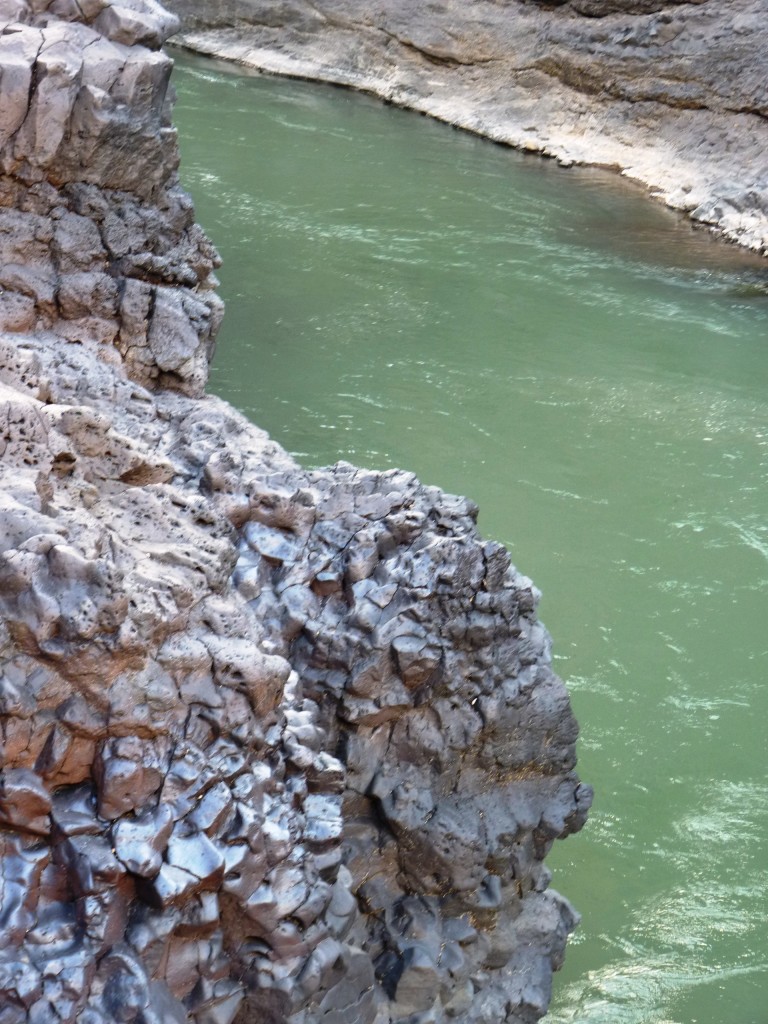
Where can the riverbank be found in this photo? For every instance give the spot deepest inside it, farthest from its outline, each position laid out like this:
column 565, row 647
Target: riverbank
column 673, row 98
column 278, row 743
column 593, row 371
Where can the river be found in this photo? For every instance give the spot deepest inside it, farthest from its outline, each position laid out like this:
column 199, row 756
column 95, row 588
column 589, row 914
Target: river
column 594, row 373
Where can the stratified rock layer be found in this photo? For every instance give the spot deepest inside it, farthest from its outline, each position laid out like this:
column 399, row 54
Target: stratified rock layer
column 672, row 94
column 96, row 237
column 277, row 745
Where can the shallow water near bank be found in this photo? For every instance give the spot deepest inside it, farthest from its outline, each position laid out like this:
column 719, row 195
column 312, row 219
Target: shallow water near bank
column 594, row 373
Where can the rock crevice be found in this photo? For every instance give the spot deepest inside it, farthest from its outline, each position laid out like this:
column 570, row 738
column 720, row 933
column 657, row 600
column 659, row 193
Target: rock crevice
column 277, row 744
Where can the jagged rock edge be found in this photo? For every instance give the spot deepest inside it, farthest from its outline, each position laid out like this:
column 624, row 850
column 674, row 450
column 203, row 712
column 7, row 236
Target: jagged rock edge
column 277, row 744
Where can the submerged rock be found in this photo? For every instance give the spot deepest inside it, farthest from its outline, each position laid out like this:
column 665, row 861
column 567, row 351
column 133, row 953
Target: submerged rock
column 671, row 94
column 277, row 744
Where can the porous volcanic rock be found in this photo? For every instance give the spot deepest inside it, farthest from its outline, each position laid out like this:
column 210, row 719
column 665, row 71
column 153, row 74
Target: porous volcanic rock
column 278, row 745
column 671, row 94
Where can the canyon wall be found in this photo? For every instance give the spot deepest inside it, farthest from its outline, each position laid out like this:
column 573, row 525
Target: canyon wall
column 670, row 94
column 278, row 745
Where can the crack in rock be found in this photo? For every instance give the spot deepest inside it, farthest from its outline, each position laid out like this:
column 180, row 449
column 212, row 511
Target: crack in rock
column 277, row 744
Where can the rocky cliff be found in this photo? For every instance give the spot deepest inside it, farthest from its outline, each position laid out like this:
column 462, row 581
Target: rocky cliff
column 277, row 745
column 671, row 94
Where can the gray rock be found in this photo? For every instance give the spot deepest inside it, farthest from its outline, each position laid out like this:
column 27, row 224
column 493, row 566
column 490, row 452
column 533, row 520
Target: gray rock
column 277, row 744
column 139, row 843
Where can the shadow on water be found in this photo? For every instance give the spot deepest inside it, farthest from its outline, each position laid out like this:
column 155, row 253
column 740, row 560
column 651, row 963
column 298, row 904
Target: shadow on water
column 623, row 220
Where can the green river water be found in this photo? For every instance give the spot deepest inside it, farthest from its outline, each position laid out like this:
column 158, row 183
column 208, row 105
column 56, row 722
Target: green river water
column 594, row 373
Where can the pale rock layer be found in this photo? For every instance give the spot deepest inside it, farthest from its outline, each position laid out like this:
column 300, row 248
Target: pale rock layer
column 278, row 745
column 674, row 95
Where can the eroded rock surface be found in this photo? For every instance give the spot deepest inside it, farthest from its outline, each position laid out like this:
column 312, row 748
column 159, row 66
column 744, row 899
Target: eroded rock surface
column 672, row 94
column 277, row 744
column 96, row 237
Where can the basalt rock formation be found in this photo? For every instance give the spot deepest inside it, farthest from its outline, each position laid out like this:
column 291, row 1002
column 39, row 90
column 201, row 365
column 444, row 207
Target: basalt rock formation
column 278, row 745
column 671, row 94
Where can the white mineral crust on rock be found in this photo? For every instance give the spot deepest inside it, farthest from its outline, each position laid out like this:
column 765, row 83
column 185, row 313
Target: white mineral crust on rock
column 277, row 744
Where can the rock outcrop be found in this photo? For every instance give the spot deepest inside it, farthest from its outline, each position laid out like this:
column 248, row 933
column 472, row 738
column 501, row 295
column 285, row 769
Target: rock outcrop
column 671, row 94
column 277, row 744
